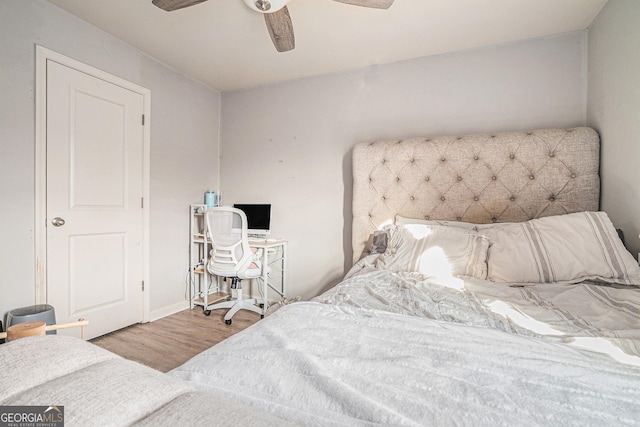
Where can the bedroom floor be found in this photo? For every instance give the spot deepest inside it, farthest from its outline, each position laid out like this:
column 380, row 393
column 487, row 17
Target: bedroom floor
column 172, row 340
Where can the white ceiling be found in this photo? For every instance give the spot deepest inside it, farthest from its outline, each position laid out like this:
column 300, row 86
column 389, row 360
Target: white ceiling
column 225, row 45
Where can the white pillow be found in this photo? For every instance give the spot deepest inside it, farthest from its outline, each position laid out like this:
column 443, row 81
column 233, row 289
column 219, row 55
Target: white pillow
column 435, row 251
column 402, row 220
column 564, row 248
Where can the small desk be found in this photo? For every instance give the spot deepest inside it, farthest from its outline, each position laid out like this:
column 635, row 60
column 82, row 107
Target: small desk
column 271, row 247
column 204, row 290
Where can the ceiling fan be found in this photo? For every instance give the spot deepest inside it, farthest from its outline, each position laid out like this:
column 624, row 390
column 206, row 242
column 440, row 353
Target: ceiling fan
column 276, row 15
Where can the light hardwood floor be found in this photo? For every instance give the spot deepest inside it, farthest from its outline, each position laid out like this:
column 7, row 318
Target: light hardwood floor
column 172, row 340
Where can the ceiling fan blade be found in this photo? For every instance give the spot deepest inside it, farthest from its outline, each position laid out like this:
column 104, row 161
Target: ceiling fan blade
column 170, row 5
column 281, row 29
column 378, row 4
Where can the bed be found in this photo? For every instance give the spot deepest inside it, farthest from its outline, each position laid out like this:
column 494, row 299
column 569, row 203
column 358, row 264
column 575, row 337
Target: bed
column 487, row 289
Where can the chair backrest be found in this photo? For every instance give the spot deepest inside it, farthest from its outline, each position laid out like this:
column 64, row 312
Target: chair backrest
column 230, row 254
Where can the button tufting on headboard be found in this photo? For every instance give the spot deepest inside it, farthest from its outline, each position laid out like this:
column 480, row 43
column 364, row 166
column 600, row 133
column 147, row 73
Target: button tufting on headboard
column 522, row 175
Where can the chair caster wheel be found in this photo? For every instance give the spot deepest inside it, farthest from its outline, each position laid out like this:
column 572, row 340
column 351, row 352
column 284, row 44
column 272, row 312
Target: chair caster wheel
column 261, row 305
column 262, row 316
column 228, row 322
column 207, row 312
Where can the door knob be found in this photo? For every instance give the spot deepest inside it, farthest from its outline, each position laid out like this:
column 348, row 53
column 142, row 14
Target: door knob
column 57, row 222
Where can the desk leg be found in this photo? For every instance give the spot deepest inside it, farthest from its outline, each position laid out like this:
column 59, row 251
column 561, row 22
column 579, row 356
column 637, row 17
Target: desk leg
column 284, row 269
column 265, row 278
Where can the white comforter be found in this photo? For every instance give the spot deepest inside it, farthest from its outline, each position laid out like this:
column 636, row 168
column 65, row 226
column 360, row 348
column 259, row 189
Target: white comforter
column 324, row 364
column 590, row 315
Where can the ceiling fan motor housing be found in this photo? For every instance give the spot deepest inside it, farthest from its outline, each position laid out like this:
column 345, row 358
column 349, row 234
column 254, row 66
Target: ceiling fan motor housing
column 263, row 5
column 266, row 6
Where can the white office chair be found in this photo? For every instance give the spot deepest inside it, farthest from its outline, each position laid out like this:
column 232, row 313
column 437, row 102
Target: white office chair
column 231, row 257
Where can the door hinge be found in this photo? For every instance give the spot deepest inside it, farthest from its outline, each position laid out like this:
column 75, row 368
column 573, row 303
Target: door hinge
column 141, row 202
column 143, row 286
column 143, row 120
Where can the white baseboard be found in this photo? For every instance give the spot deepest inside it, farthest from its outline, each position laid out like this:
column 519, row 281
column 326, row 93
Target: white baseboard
column 168, row 310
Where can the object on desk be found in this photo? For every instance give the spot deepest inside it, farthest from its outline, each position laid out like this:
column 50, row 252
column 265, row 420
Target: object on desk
column 27, row 329
column 258, row 219
column 212, row 199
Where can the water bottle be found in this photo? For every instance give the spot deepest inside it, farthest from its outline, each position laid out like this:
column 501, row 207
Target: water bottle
column 212, row 199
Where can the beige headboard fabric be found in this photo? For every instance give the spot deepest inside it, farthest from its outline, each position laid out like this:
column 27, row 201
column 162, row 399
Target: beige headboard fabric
column 502, row 177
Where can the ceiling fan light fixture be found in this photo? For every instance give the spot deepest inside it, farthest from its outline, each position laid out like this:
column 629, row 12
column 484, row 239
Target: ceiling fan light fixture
column 266, row 6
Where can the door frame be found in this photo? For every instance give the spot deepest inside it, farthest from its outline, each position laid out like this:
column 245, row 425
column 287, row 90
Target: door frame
column 40, row 227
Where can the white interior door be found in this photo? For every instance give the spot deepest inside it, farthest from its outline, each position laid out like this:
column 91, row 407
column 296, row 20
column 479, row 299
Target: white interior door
column 94, row 190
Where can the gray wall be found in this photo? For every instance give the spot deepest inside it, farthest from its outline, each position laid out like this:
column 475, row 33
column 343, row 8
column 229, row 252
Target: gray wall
column 290, row 143
column 184, row 145
column 614, row 111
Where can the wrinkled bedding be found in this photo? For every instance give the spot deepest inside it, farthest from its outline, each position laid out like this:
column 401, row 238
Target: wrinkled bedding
column 324, row 364
column 590, row 315
column 410, row 294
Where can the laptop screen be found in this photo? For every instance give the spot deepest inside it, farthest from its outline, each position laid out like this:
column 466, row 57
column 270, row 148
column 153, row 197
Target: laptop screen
column 258, row 217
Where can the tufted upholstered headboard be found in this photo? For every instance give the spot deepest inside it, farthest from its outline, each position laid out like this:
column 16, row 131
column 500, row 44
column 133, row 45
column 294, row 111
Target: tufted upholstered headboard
column 502, row 177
